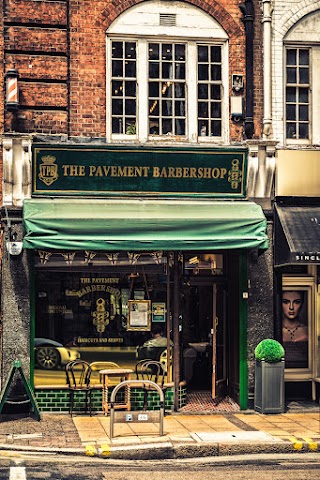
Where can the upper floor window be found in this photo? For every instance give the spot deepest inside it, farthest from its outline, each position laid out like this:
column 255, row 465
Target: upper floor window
column 298, row 93
column 164, row 103
column 162, row 80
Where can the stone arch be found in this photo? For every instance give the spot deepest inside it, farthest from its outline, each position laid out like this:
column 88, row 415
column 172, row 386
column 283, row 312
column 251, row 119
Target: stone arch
column 295, row 14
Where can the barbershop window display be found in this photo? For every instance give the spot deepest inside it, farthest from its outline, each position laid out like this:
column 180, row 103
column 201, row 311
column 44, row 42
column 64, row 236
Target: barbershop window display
column 295, row 328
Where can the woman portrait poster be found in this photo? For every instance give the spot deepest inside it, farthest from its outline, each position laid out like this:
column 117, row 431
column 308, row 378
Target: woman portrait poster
column 295, row 328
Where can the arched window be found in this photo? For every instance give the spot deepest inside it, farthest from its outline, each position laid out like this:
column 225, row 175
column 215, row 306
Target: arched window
column 167, row 73
column 302, row 87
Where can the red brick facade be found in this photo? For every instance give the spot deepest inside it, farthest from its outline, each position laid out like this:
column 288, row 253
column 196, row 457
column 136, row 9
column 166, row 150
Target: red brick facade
column 60, row 55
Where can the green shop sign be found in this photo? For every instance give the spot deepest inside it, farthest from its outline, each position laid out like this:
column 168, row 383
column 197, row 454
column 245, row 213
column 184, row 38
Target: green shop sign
column 75, row 170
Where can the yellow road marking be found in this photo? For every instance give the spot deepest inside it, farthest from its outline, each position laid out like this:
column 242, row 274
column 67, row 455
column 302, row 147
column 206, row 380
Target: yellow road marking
column 312, row 445
column 297, row 444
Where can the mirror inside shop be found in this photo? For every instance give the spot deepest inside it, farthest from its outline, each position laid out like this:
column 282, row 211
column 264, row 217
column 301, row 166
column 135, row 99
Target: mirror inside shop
column 104, row 310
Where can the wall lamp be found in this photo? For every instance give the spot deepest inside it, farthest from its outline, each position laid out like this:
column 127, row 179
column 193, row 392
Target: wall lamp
column 12, row 92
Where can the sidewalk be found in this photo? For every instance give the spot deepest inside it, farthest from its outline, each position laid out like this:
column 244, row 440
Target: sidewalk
column 184, row 436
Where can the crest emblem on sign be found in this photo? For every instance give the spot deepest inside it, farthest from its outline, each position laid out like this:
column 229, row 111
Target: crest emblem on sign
column 48, row 170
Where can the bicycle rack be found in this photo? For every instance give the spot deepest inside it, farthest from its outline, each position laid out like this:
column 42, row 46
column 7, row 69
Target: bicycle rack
column 136, row 416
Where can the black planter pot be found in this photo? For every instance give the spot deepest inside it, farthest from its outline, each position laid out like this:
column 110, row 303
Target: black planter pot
column 269, row 387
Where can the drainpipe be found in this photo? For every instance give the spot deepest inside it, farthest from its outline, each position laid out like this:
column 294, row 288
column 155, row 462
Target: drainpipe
column 247, row 10
column 266, row 21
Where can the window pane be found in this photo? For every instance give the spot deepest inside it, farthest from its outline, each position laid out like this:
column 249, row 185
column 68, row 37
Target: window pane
column 291, row 94
column 154, row 128
column 203, row 90
column 216, row 54
column 153, row 70
column 303, row 95
column 180, row 54
column 166, row 127
column 166, row 51
column 203, row 109
column 304, row 57
column 130, row 89
column 179, row 90
column 116, row 125
column 303, row 130
column 180, row 126
column 117, row 107
column 130, row 107
column 303, row 113
column 117, row 88
column 154, row 51
column 130, row 69
column 180, row 71
column 291, row 112
column 215, row 72
column 154, row 89
column 179, row 109
column 117, row 68
column 304, row 75
column 291, row 75
column 203, row 128
column 291, row 130
column 130, row 50
column 216, row 110
column 203, row 53
column 203, row 72
column 167, row 71
column 167, row 108
column 216, row 128
column 292, row 57
column 167, row 90
column 117, row 49
column 215, row 92
column 154, row 108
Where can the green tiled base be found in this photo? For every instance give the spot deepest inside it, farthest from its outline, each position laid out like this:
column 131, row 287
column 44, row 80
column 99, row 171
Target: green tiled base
column 57, row 400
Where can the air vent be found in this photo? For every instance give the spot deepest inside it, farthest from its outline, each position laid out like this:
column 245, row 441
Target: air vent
column 168, row 19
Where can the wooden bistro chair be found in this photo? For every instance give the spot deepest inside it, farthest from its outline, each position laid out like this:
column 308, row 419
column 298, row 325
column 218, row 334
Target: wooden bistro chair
column 97, row 366
column 150, row 370
column 78, row 374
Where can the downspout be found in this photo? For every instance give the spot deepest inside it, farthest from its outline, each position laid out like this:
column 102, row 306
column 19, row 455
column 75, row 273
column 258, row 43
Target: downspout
column 247, row 10
column 266, row 21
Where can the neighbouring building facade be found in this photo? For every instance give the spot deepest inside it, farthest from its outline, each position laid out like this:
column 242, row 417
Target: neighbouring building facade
column 137, row 179
column 295, row 51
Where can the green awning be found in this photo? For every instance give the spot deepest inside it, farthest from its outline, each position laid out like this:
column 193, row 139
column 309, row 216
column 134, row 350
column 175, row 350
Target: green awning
column 143, row 225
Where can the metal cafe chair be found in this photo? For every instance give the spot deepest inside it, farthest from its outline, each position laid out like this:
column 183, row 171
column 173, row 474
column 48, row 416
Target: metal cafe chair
column 78, row 375
column 150, row 370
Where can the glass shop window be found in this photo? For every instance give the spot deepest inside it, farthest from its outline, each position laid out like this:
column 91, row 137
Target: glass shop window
column 94, row 316
column 296, row 326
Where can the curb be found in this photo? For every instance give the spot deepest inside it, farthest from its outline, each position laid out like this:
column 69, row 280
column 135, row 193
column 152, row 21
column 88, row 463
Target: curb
column 169, row 450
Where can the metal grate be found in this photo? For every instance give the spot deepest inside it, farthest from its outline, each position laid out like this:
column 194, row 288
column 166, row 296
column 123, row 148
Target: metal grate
column 168, row 19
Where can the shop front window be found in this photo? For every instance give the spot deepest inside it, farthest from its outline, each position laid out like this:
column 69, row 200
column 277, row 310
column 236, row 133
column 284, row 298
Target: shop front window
column 295, row 327
column 101, row 314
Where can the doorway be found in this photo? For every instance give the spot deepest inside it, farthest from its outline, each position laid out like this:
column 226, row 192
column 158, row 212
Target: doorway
column 205, row 359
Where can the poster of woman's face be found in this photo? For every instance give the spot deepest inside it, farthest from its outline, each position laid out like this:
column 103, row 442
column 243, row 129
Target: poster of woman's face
column 295, row 328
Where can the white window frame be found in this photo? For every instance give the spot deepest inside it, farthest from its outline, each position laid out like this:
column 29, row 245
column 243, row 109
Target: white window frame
column 142, row 135
column 299, row 141
column 306, row 284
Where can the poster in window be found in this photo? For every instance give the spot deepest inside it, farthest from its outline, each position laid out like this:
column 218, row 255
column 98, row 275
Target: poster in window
column 158, row 312
column 139, row 315
column 295, row 332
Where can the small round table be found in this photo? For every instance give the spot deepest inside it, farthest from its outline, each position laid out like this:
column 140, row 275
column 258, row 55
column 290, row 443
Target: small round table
column 123, row 374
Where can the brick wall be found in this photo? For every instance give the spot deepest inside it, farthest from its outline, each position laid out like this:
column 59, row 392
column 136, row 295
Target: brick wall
column 57, row 399
column 61, row 59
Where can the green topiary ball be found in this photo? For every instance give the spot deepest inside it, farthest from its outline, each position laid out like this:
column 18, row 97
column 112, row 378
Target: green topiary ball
column 269, row 350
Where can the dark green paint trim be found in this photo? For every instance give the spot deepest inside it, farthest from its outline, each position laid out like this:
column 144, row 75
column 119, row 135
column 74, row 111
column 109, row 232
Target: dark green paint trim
column 243, row 325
